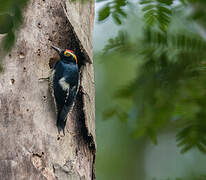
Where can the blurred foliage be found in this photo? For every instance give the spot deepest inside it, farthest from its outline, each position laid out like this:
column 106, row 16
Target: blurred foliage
column 170, row 86
column 10, row 20
column 201, row 177
column 157, row 12
column 6, row 23
column 113, row 8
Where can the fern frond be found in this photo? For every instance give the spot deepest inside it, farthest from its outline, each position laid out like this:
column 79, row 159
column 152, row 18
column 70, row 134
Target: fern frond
column 121, row 44
column 193, row 136
column 157, row 12
column 115, row 9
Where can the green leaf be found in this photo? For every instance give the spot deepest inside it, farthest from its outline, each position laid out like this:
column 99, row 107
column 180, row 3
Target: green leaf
column 120, row 3
column 149, row 7
column 109, row 113
column 186, row 148
column 104, row 13
column 8, row 41
column 201, row 148
column 6, row 23
column 122, row 116
column 167, row 2
column 17, row 16
column 150, row 17
column 146, row 1
column 163, row 9
column 5, row 5
column 157, row 12
column 120, row 11
column 153, row 136
column 184, row 2
column 116, row 18
column 140, row 132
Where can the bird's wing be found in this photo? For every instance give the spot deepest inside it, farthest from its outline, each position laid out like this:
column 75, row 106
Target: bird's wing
column 59, row 88
column 62, row 97
column 69, row 101
column 61, row 92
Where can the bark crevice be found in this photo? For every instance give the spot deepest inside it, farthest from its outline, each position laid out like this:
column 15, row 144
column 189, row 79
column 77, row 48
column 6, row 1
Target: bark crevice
column 83, row 61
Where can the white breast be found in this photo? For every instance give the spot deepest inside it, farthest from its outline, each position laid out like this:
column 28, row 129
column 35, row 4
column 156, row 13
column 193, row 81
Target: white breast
column 64, row 84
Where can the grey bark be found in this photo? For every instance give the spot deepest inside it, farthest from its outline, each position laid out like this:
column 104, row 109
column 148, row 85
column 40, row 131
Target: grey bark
column 29, row 141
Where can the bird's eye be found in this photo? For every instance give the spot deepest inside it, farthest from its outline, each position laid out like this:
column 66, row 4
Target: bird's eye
column 66, row 53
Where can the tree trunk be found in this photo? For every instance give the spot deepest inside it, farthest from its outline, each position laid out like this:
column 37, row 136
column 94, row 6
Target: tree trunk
column 30, row 145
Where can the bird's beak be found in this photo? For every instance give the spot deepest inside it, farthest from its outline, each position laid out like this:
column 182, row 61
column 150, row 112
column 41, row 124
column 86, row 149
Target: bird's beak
column 57, row 49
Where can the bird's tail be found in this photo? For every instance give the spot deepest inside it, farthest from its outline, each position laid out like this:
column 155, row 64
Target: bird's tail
column 62, row 115
column 61, row 123
column 62, row 118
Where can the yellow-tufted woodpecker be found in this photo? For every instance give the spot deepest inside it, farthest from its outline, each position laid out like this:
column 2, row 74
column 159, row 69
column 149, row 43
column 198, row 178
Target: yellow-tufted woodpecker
column 64, row 84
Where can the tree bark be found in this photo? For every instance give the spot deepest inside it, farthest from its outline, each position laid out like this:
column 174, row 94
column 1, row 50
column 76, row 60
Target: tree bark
column 30, row 145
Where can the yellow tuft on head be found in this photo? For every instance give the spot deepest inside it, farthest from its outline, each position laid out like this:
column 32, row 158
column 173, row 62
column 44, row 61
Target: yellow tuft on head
column 75, row 58
column 67, row 53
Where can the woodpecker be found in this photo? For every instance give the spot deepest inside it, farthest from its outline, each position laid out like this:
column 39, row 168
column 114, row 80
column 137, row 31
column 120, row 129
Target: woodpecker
column 64, row 82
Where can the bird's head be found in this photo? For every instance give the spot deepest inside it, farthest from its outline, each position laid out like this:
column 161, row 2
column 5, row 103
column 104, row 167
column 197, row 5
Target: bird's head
column 66, row 55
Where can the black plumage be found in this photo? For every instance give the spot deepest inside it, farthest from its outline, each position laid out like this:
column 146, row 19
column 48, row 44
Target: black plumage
column 64, row 85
